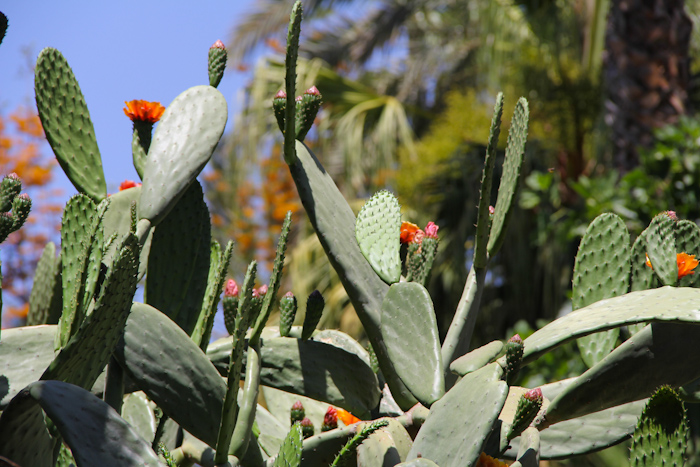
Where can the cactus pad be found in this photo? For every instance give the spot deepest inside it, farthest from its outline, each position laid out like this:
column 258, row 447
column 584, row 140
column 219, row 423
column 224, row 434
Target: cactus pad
column 688, row 241
column 66, row 121
column 408, row 323
column 290, row 451
column 601, row 270
column 377, row 231
column 183, row 143
column 483, row 223
column 662, row 435
column 508, row 187
column 460, row 422
column 661, row 248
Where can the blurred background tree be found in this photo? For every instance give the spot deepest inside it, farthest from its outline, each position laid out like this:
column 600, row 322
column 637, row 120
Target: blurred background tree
column 22, row 144
column 408, row 88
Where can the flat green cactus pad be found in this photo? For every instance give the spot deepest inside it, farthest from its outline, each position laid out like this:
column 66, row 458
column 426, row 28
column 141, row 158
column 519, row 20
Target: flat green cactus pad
column 24, row 355
column 172, row 370
column 45, row 301
column 661, row 248
column 477, row 358
column 85, row 355
column 95, row 433
column 377, row 230
column 602, row 270
column 321, row 371
column 290, row 451
column 66, row 121
column 387, row 446
column 138, row 412
column 334, row 222
column 662, row 353
column 688, row 241
column 408, row 323
column 662, row 435
column 460, row 422
column 182, row 144
column 669, row 304
column 178, row 263
column 582, row 435
column 508, row 187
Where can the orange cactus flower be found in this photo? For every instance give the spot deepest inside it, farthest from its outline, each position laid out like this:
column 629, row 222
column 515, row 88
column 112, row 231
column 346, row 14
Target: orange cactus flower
column 126, row 184
column 346, row 417
column 488, row 461
column 409, row 231
column 143, row 111
column 686, row 263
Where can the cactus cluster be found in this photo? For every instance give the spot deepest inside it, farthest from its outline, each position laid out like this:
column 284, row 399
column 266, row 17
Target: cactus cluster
column 98, row 378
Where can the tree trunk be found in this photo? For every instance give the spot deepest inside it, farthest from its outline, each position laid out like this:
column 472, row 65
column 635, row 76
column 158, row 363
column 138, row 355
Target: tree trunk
column 646, row 72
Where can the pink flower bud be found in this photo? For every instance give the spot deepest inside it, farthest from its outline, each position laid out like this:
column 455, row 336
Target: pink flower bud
column 289, row 294
column 492, row 210
column 218, row 45
column 431, row 230
column 330, row 419
column 313, row 90
column 231, row 289
column 516, row 338
column 534, row 395
column 262, row 290
column 672, row 215
column 281, row 94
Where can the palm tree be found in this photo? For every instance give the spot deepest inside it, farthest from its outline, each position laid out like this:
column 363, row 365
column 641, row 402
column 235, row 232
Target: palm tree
column 647, row 68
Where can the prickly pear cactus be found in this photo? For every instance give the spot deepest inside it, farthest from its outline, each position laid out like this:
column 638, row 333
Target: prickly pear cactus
column 378, row 230
column 66, row 121
column 661, row 437
column 601, row 270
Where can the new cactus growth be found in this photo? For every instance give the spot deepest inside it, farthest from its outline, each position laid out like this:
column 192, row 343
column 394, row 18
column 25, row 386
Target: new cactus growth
column 307, row 427
column 230, row 305
column 528, row 406
column 217, row 63
column 314, row 311
column 288, row 310
column 297, row 413
column 514, row 358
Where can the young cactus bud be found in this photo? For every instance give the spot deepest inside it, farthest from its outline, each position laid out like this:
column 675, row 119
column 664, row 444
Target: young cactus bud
column 514, row 357
column 21, row 206
column 314, row 310
column 307, row 428
column 9, row 188
column 330, row 419
column 528, row 406
column 279, row 104
column 7, row 221
column 307, row 107
column 288, row 310
column 217, row 63
column 298, row 413
column 257, row 301
column 230, row 303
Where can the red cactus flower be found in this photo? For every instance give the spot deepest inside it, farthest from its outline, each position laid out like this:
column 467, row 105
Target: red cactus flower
column 330, row 419
column 143, row 111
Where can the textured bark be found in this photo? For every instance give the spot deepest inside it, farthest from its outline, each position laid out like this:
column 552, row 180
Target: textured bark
column 646, row 71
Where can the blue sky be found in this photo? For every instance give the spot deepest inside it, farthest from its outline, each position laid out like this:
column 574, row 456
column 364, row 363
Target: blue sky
column 119, row 51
